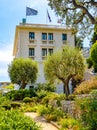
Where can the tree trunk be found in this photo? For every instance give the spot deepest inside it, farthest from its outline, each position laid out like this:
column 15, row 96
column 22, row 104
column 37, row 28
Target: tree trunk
column 23, row 85
column 66, row 89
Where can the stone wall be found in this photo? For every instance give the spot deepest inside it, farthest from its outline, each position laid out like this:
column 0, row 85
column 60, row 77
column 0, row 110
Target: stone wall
column 70, row 107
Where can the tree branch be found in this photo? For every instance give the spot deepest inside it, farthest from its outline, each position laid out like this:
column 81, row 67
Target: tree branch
column 85, row 10
column 93, row 2
column 80, row 19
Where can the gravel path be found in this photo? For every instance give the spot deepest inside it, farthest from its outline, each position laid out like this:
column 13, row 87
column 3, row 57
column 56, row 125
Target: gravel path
column 41, row 120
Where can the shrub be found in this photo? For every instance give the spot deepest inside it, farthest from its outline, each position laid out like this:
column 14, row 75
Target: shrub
column 50, row 97
column 51, row 117
column 27, row 99
column 62, row 96
column 15, row 104
column 88, row 109
column 41, row 94
column 10, row 86
column 20, row 94
column 5, row 103
column 46, row 86
column 89, row 62
column 14, row 120
column 51, row 114
column 28, row 107
column 35, row 99
column 43, row 110
column 70, row 124
column 86, row 86
column 4, row 99
column 6, row 106
column 71, row 97
column 58, row 113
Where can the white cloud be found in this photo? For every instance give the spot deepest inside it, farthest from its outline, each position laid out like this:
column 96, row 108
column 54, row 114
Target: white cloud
column 3, row 72
column 5, row 56
column 37, row 3
column 5, row 59
column 6, row 53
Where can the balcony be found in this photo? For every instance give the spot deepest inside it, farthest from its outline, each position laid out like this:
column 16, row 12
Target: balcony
column 44, row 41
column 50, row 41
column 32, row 41
column 64, row 42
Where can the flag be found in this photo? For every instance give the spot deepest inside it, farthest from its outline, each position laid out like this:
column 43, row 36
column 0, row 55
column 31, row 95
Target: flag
column 49, row 16
column 30, row 11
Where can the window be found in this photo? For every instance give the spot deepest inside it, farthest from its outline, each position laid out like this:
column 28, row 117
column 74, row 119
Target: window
column 50, row 36
column 31, row 35
column 31, row 52
column 50, row 51
column 64, row 37
column 44, row 51
column 44, row 36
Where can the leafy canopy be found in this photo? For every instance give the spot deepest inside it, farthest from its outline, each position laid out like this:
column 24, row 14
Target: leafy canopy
column 63, row 65
column 81, row 14
column 23, row 71
column 93, row 55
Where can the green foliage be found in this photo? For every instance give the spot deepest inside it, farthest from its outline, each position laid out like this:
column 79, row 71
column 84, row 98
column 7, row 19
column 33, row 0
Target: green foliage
column 71, row 97
column 15, row 104
column 51, row 117
column 58, row 113
column 27, row 100
column 94, row 94
column 43, row 110
column 88, row 108
column 28, row 107
column 22, row 71
column 20, row 94
column 62, row 96
column 51, row 113
column 50, row 97
column 10, row 86
column 70, row 123
column 41, row 94
column 14, row 120
column 86, row 86
column 6, row 106
column 46, row 86
column 94, row 36
column 77, row 14
column 63, row 65
column 78, row 42
column 93, row 56
column 5, row 103
column 3, row 99
column 89, row 62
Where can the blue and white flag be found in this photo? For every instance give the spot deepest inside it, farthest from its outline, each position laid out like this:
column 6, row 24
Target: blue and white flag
column 49, row 16
column 30, row 11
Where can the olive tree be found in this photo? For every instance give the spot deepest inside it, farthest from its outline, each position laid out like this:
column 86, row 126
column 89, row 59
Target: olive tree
column 23, row 71
column 63, row 65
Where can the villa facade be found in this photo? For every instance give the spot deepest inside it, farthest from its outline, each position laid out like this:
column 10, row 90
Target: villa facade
column 36, row 41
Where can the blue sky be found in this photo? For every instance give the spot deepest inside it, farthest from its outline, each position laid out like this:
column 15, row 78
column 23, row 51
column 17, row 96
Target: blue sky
column 11, row 14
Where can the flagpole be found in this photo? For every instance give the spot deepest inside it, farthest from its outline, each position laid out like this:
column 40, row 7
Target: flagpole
column 26, row 15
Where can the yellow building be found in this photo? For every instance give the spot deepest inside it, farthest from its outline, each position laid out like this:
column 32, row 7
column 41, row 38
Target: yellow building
column 37, row 40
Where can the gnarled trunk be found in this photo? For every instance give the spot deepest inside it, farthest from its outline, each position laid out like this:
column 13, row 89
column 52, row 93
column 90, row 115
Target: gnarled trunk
column 66, row 89
column 23, row 84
